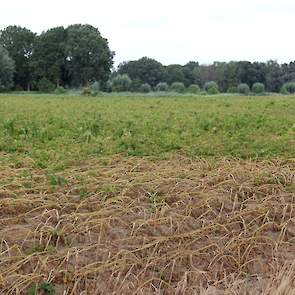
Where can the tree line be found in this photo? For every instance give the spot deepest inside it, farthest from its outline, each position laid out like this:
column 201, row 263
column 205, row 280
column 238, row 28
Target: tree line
column 68, row 57
column 78, row 56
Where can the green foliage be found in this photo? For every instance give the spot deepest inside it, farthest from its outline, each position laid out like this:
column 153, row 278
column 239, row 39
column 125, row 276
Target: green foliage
column 145, row 88
column 193, row 88
column 87, row 91
column 175, row 74
column 258, row 88
column 177, row 87
column 121, row 83
column 42, row 128
column 88, row 55
column 288, row 88
column 45, row 288
column 135, row 85
column 162, row 86
column 60, row 90
column 211, row 87
column 19, row 43
column 45, row 85
column 49, row 56
column 7, row 69
column 95, row 86
column 232, row 89
column 146, row 70
column 243, row 88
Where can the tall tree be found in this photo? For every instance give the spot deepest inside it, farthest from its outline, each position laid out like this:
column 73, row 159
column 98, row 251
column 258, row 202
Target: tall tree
column 175, row 74
column 146, row 70
column 88, row 57
column 7, row 69
column 19, row 43
column 49, row 58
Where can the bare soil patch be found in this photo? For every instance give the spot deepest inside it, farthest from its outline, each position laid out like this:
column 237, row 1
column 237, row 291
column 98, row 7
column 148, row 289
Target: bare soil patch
column 139, row 226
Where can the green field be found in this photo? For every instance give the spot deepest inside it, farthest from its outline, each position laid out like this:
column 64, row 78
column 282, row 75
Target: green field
column 53, row 130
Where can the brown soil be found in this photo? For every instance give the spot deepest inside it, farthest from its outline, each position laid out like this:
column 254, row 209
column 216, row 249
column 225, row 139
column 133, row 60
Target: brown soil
column 139, row 226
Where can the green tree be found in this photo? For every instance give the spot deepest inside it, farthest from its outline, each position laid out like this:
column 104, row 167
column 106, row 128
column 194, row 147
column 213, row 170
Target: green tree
column 258, row 88
column 162, row 86
column 177, row 87
column 288, row 88
column 19, row 43
column 211, row 87
column 146, row 70
column 121, row 83
column 243, row 88
column 145, row 88
column 193, row 88
column 88, row 56
column 7, row 69
column 49, row 58
column 175, row 74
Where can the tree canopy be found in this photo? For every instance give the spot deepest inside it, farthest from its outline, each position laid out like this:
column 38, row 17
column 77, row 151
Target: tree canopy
column 7, row 69
column 19, row 43
column 73, row 56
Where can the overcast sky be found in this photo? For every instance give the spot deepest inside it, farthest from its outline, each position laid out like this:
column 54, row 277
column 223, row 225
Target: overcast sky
column 171, row 31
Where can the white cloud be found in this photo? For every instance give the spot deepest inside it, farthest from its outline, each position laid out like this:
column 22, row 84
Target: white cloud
column 172, row 31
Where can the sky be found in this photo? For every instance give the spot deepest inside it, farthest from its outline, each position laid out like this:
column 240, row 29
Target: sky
column 171, row 31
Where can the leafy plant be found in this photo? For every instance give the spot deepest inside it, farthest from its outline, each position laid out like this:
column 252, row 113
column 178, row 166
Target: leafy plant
column 258, row 88
column 145, row 88
column 211, row 87
column 243, row 88
column 193, row 88
column 46, row 288
column 177, row 87
column 162, row 86
column 45, row 85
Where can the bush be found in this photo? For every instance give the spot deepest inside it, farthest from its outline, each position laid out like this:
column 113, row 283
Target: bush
column 145, row 88
column 193, row 88
column 121, row 83
column 258, row 88
column 162, row 86
column 232, row 89
column 288, row 88
column 86, row 91
column 135, row 85
column 45, row 85
column 95, row 86
column 243, row 88
column 60, row 90
column 211, row 87
column 177, row 87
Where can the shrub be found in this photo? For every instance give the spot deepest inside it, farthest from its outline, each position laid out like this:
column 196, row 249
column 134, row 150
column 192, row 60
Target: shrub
column 258, row 88
column 45, row 85
column 177, row 87
column 86, row 91
column 145, row 88
column 95, row 86
column 288, row 88
column 211, row 87
column 193, row 88
column 60, row 90
column 135, row 85
column 162, row 86
column 243, row 88
column 232, row 89
column 108, row 86
column 121, row 83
